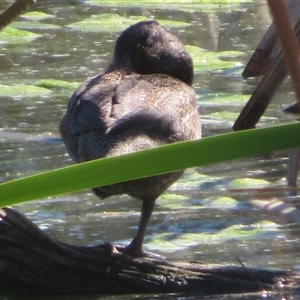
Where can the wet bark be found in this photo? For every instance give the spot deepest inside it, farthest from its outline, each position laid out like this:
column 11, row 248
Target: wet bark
column 33, row 263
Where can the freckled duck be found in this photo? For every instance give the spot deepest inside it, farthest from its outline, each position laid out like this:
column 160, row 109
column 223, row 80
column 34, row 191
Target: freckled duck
column 143, row 100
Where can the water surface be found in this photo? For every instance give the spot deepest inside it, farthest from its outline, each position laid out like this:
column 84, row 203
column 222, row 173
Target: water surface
column 208, row 213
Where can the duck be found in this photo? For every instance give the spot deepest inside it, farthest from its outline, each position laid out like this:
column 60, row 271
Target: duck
column 144, row 99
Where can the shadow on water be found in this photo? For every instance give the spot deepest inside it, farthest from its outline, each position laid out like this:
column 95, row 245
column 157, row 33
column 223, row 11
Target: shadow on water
column 208, row 215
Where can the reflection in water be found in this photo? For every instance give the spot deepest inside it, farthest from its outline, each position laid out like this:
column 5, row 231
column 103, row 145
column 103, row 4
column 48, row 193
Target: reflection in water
column 210, row 218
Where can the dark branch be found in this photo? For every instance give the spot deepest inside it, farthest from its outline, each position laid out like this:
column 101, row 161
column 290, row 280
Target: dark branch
column 14, row 11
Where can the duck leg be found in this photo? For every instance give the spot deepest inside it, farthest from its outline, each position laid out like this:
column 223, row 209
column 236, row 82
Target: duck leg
column 135, row 248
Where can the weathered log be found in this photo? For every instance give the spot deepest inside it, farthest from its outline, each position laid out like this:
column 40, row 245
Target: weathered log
column 31, row 262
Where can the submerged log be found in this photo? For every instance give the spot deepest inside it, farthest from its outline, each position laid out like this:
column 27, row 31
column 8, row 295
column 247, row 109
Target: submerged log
column 31, row 262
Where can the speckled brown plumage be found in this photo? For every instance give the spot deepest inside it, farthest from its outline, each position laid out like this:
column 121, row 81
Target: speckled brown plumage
column 143, row 100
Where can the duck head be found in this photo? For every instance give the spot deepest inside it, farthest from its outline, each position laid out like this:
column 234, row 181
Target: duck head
column 149, row 48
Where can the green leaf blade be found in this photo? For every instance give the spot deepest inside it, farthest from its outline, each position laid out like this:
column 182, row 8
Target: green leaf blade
column 151, row 162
